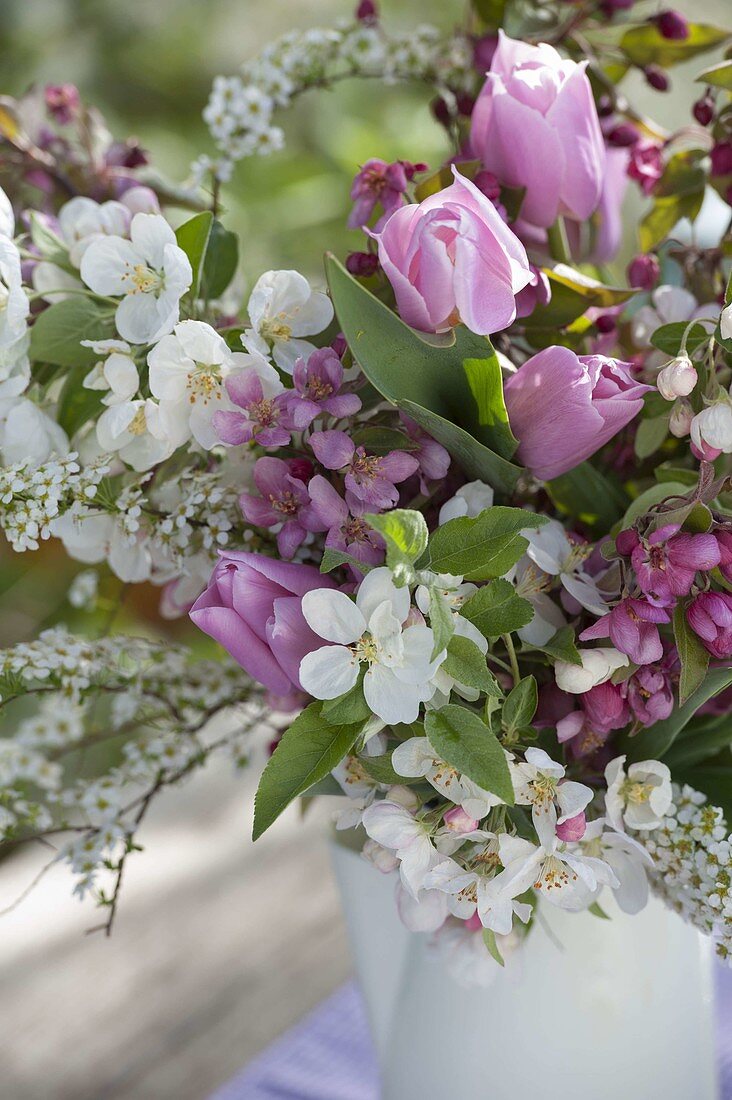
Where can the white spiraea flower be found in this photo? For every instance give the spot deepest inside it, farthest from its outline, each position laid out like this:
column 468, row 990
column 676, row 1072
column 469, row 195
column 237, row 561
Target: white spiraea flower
column 399, row 668
column 188, row 369
column 149, row 272
column 598, row 666
column 638, row 798
column 283, row 308
column 539, row 782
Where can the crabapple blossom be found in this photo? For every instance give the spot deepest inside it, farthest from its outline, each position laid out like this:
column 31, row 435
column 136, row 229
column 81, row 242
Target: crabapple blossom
column 628, row 859
column 416, row 757
column 370, row 480
column 632, row 626
column 554, row 553
column 149, row 272
column 188, row 370
column 395, row 828
column 115, row 373
column 710, row 617
column 474, row 892
column 667, row 561
column 566, row 878
column 638, row 798
column 134, row 429
column 470, row 500
column 711, row 429
column 539, row 782
column 378, row 183
column 399, row 668
column 284, row 500
column 345, row 532
column 265, row 415
column 316, row 382
column 14, row 304
column 598, row 665
column 283, row 308
column 677, row 379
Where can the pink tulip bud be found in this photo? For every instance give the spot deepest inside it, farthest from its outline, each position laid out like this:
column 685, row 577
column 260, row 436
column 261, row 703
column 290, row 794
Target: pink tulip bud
column 677, row 378
column 458, row 821
column 535, row 110
column 681, row 417
column 574, row 828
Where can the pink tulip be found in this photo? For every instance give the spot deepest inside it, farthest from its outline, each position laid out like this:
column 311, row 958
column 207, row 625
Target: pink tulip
column 535, row 125
column 452, row 259
column 563, row 407
column 252, row 608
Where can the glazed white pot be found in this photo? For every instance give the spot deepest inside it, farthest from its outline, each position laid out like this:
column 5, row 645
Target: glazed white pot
column 585, row 1009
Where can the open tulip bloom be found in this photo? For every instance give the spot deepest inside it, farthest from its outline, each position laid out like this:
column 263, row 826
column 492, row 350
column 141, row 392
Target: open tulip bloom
column 452, row 520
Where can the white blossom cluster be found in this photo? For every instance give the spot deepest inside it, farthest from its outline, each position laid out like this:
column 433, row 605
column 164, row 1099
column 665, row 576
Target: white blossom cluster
column 32, row 497
column 91, row 692
column 692, row 854
column 240, row 111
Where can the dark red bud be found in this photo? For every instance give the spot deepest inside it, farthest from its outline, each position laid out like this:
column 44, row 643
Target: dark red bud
column 362, row 263
column 703, row 110
column 301, row 468
column 657, row 78
column 672, row 25
column 643, row 271
column 367, row 12
column 623, row 135
column 605, row 323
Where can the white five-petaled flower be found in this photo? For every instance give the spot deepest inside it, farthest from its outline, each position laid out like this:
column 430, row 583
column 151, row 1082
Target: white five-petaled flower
column 639, row 798
column 149, row 272
column 553, row 552
column 471, row 891
column 598, row 665
column 416, row 757
column 14, row 304
column 393, row 827
column 283, row 308
column 399, row 668
column 469, row 500
column 134, row 430
column 565, row 878
column 188, row 369
column 539, row 782
column 115, row 372
column 627, row 858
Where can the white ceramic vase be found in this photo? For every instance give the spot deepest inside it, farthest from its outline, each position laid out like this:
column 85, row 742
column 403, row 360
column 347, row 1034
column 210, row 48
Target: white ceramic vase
column 586, row 1009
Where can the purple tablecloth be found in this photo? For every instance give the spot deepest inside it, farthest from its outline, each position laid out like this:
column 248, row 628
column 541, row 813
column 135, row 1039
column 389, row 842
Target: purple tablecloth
column 329, row 1055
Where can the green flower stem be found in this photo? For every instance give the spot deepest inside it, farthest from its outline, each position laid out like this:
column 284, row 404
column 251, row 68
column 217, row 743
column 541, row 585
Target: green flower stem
column 557, row 239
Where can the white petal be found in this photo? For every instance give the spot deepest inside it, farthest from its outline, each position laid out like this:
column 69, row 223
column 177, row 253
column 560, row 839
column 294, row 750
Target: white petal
column 333, row 616
column 137, row 318
column 573, row 798
column 149, row 234
column 378, row 586
column 413, row 757
column 328, row 672
column 388, row 697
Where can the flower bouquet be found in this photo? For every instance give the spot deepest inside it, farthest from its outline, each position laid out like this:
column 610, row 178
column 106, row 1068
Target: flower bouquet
column 461, row 517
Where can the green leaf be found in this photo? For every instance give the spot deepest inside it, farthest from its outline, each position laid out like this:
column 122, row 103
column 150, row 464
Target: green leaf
column 462, row 740
column 693, row 656
column 193, row 237
column 654, row 743
column 442, row 621
column 429, row 383
column 220, row 261
column 496, row 609
column 349, row 708
column 645, row 45
column 491, row 12
column 381, row 769
column 307, row 753
column 57, row 332
column 51, row 247
column 380, row 441
column 572, row 295
column 332, row 559
column 466, row 664
column 585, row 494
column 652, row 497
column 719, row 76
column 489, row 939
column 678, row 194
column 481, row 547
column 520, row 706
column 561, row 646
column 650, row 435
column 486, row 385
column 693, row 746
column 668, row 338
column 76, row 404
column 597, row 911
column 677, row 475
column 405, row 533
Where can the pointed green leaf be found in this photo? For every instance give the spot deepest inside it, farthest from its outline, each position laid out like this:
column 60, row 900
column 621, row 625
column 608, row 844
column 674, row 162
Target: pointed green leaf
column 693, row 656
column 496, row 609
column 405, row 533
column 441, row 621
column 561, row 646
column 307, row 753
column 462, row 740
column 193, row 237
column 520, row 706
column 466, row 664
column 481, row 547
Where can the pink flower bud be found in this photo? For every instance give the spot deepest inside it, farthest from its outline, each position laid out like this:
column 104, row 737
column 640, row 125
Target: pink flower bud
column 367, row 12
column 703, row 109
column 672, row 25
column 677, row 378
column 623, row 135
column 362, row 264
column 681, row 417
column 643, row 271
column 574, row 828
column 657, row 78
column 722, row 158
column 458, row 821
